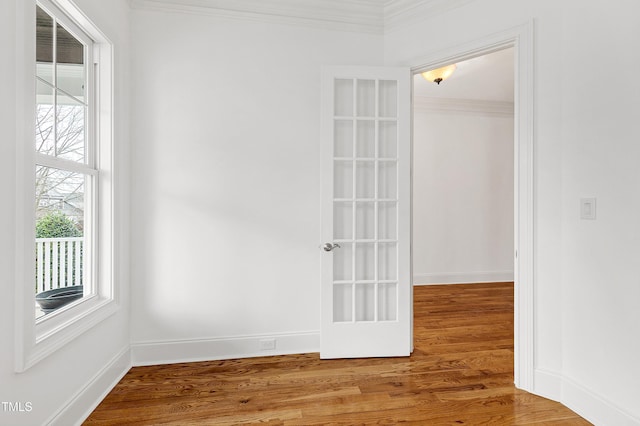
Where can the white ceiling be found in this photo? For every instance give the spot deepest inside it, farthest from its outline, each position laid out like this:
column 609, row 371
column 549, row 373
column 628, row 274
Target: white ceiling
column 488, row 78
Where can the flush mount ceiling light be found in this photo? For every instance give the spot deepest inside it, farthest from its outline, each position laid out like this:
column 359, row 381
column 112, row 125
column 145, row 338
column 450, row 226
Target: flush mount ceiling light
column 439, row 74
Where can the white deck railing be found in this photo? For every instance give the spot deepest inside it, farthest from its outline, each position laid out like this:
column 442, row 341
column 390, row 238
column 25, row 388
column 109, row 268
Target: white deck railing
column 58, row 262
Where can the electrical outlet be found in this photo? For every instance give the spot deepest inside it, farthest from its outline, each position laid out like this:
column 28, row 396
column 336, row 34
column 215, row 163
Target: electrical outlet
column 267, row 344
column 588, row 208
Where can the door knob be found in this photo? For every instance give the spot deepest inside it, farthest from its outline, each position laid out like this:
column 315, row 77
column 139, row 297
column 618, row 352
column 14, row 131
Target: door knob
column 330, row 246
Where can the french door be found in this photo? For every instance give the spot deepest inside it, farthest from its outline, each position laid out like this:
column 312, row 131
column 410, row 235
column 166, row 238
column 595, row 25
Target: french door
column 366, row 263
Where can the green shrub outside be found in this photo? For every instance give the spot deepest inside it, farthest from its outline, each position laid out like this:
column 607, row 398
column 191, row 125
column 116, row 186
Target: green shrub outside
column 56, row 225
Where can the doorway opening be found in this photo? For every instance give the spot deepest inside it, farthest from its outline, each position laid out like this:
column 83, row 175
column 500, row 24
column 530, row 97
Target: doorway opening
column 464, row 174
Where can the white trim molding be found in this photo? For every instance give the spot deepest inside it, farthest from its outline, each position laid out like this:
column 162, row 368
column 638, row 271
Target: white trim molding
column 85, row 400
column 364, row 16
column 581, row 400
column 521, row 38
column 463, row 106
column 194, row 350
column 593, row 407
column 400, row 13
column 462, row 277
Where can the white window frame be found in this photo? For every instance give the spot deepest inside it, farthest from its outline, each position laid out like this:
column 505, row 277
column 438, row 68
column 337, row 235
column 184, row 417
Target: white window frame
column 35, row 340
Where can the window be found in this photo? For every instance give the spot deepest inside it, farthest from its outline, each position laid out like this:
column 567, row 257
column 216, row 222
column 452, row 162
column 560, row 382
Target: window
column 66, row 169
column 66, row 257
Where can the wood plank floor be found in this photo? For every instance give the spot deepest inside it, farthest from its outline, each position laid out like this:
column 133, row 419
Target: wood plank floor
column 461, row 373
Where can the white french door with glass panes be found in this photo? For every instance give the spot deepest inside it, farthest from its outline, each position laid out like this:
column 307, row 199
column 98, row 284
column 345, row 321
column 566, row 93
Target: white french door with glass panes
column 366, row 284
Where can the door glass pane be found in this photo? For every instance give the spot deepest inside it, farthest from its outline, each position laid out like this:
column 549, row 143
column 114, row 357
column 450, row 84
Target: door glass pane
column 366, row 98
column 365, row 261
column 366, row 139
column 342, row 302
column 343, row 138
column 365, row 179
column 69, row 128
column 387, row 261
column 343, row 179
column 60, row 238
column 342, row 220
column 388, row 139
column 342, row 262
column 387, row 301
column 343, row 98
column 387, row 214
column 70, row 76
column 387, row 180
column 365, row 220
column 388, row 98
column 45, row 119
column 44, row 45
column 365, row 302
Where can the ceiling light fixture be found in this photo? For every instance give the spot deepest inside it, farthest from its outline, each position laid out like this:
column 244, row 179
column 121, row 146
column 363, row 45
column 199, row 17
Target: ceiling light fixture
column 439, row 74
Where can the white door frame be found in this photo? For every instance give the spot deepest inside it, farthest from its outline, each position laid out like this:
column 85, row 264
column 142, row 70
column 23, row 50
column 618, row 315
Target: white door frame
column 521, row 39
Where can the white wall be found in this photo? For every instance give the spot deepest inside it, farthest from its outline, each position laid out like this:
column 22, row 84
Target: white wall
column 462, row 195
column 600, row 151
column 586, row 283
column 226, row 182
column 65, row 385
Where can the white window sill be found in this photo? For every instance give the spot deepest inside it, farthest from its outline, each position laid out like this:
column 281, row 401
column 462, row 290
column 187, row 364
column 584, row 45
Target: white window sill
column 63, row 326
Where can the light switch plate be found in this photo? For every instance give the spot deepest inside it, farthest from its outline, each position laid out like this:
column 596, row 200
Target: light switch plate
column 588, row 208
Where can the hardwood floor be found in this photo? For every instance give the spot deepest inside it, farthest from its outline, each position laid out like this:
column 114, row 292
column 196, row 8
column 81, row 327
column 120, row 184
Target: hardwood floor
column 461, row 372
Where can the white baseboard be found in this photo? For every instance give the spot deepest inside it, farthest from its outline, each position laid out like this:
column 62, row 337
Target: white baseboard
column 174, row 351
column 462, row 277
column 80, row 405
column 581, row 400
column 547, row 384
column 594, row 408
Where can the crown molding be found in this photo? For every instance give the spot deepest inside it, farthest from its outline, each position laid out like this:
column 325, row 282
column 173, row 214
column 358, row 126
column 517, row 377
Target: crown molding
column 365, row 16
column 463, row 106
column 400, row 13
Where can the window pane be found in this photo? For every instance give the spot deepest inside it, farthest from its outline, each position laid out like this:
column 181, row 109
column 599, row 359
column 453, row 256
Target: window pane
column 387, row 220
column 60, row 237
column 365, row 262
column 365, row 302
column 343, row 138
column 44, row 45
column 387, row 261
column 343, row 97
column 365, row 220
column 388, row 98
column 45, row 127
column 388, row 139
column 342, row 179
column 342, row 302
column 366, row 139
column 387, row 179
column 342, row 263
column 366, row 97
column 69, row 128
column 387, row 301
column 69, row 63
column 365, row 179
column 342, row 220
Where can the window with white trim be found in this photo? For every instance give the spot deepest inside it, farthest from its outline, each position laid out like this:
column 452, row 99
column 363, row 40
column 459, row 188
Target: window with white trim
column 66, row 261
column 66, row 170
